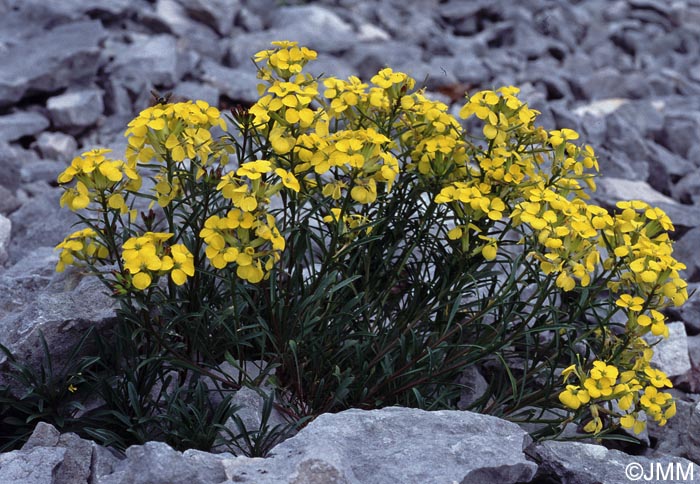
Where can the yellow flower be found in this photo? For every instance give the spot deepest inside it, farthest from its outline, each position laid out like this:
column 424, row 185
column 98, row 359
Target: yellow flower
column 568, row 371
column 141, row 280
column 594, row 426
column 254, row 169
column 557, row 137
column 633, row 303
column 365, row 191
column 632, row 421
column 653, row 400
column 76, row 198
column 601, row 387
column 657, row 377
column 602, row 370
column 252, row 272
column 183, row 264
column 288, row 179
column 574, row 396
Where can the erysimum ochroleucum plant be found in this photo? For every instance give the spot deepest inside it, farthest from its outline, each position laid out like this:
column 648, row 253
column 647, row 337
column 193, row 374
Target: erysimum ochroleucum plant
column 354, row 238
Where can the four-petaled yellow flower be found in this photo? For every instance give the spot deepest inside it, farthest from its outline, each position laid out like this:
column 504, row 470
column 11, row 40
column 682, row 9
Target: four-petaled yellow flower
column 574, row 396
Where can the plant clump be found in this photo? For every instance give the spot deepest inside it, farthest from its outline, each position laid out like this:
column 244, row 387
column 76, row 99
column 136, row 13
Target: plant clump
column 365, row 249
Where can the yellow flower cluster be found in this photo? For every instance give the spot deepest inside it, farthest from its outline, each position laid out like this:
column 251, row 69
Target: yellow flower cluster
column 247, row 235
column 354, row 160
column 146, row 257
column 634, row 392
column 81, row 246
column 287, row 60
column 173, row 132
column 98, row 179
column 251, row 240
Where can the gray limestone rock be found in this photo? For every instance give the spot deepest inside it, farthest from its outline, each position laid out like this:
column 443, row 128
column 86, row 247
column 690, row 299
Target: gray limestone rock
column 59, row 57
column 143, row 59
column 693, row 442
column 357, row 446
column 23, row 123
column 578, row 463
column 195, row 90
column 82, row 461
column 20, row 283
column 5, row 232
column 672, row 438
column 41, row 171
column 44, row 435
column 663, row 163
column 197, row 36
column 694, row 350
column 239, row 84
column 370, row 58
column 616, row 163
column 690, row 311
column 685, row 250
column 671, row 354
column 158, row 463
column 56, row 145
column 39, row 222
column 37, row 466
column 609, row 82
column 76, row 110
column 62, row 314
column 687, row 189
column 76, row 466
column 11, row 159
column 217, row 14
column 314, row 26
column 475, row 385
column 680, row 132
column 612, row 190
column 8, row 201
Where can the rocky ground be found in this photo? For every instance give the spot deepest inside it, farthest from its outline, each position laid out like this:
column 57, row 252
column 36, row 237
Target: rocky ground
column 624, row 73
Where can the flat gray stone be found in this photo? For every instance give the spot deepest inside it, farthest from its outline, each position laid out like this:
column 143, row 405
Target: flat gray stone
column 37, row 466
column 21, row 282
column 195, row 91
column 8, row 201
column 83, row 461
column 238, row 84
column 601, row 107
column 672, row 438
column 146, row 59
column 394, row 445
column 217, row 14
column 40, row 222
column 614, row 190
column 59, row 57
column 578, row 463
column 686, row 250
column 56, row 146
column 44, row 435
column 5, row 232
column 158, row 463
column 22, row 123
column 75, row 110
column 671, row 354
column 62, row 315
column 46, row 171
column 681, row 132
column 693, row 442
column 197, row 36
